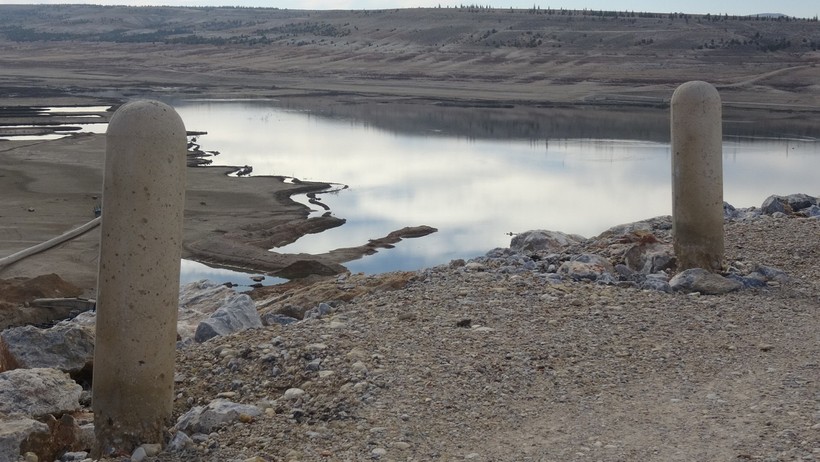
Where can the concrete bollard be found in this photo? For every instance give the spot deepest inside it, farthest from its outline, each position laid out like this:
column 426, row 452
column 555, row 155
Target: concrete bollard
column 697, row 176
column 138, row 285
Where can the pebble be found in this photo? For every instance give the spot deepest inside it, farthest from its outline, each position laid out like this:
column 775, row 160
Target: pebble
column 293, row 393
column 360, row 367
column 138, row 455
column 378, row 453
column 151, row 449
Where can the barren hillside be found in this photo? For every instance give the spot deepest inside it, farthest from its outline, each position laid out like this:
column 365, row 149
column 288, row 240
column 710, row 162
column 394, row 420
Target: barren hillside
column 533, row 56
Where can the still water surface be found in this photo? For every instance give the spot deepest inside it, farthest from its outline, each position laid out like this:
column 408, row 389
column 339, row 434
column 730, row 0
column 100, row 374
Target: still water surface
column 476, row 179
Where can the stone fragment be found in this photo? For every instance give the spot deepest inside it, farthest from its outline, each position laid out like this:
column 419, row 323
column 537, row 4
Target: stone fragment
column 543, row 240
column 772, row 274
column 774, row 204
column 63, row 436
column 798, row 202
column 217, row 414
column 293, row 393
column 320, row 310
column 179, row 442
column 811, row 212
column 14, row 430
column 270, row 319
column 475, row 266
column 700, row 280
column 729, row 211
column 650, row 257
column 152, row 449
column 626, row 229
column 138, row 455
column 67, row 346
column 197, row 301
column 237, row 313
column 586, row 267
column 656, row 282
column 37, row 392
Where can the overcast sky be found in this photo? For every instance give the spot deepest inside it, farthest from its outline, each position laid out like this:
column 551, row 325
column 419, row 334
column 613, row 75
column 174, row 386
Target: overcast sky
column 798, row 8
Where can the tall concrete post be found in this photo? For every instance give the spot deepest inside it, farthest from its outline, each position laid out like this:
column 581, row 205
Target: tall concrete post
column 697, row 176
column 138, row 285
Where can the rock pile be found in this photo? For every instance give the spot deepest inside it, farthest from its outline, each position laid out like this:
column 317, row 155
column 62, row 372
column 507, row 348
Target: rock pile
column 40, row 398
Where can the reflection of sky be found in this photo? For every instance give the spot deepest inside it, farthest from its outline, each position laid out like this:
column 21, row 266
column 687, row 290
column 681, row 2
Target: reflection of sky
column 191, row 271
column 58, row 134
column 68, row 112
column 475, row 191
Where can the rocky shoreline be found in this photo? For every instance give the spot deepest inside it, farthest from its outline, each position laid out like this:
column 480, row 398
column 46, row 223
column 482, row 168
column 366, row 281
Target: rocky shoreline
column 305, row 371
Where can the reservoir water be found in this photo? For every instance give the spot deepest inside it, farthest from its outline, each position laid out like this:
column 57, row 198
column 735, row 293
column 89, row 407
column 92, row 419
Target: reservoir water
column 479, row 174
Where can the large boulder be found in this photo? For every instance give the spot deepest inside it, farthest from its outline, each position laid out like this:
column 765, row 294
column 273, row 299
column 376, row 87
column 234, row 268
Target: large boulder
column 217, row 414
column 543, row 240
column 37, row 392
column 798, row 202
column 774, row 204
column 237, row 312
column 788, row 204
column 68, row 347
column 704, row 282
column 198, row 301
column 649, row 258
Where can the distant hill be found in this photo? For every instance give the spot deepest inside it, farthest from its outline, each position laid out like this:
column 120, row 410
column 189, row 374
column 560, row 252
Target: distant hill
column 770, row 15
column 477, row 53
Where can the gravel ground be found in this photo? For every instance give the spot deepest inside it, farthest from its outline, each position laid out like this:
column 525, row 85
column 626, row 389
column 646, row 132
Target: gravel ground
column 460, row 364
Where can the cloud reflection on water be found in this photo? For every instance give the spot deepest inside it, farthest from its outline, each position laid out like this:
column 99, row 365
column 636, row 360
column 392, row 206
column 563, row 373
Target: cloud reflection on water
column 475, row 189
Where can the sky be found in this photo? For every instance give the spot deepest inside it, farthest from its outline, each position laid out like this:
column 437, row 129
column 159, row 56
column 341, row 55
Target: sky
column 797, row 8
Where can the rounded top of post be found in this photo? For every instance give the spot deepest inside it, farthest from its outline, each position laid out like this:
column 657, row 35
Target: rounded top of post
column 147, row 118
column 696, row 90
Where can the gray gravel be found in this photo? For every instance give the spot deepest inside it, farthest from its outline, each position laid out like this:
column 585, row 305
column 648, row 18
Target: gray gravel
column 465, row 363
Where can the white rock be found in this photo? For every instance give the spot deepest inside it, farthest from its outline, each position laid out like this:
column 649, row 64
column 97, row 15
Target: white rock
column 68, row 347
column 293, row 393
column 236, row 313
column 217, row 414
column 36, row 392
